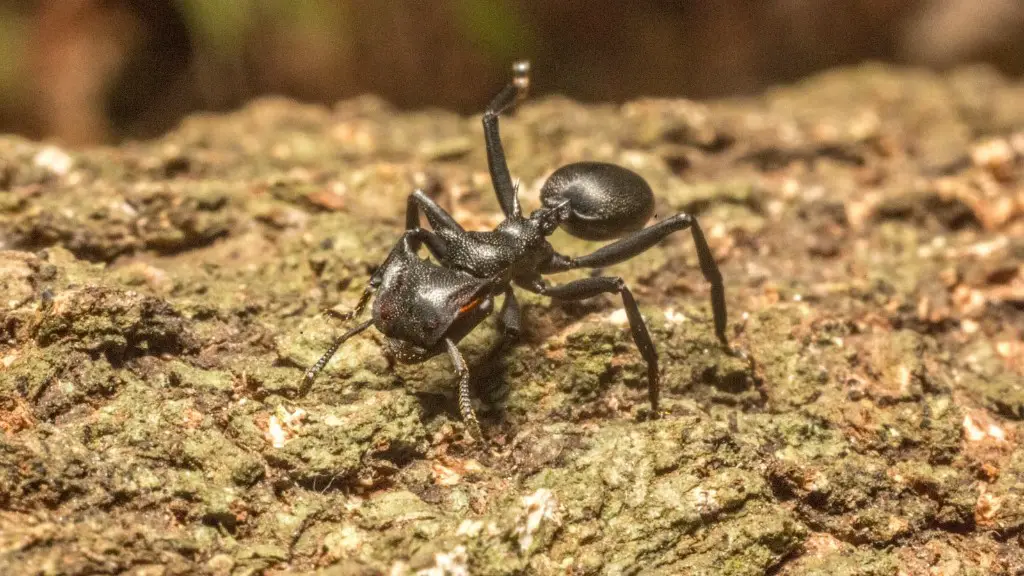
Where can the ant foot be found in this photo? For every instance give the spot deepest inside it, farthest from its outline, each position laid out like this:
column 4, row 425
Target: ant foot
column 343, row 316
column 521, row 78
column 645, row 414
column 474, row 432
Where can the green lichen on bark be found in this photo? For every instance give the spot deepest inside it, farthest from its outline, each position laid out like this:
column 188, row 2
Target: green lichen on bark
column 161, row 300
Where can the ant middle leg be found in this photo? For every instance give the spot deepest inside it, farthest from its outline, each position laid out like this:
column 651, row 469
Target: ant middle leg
column 487, row 373
column 590, row 287
column 642, row 240
column 509, row 323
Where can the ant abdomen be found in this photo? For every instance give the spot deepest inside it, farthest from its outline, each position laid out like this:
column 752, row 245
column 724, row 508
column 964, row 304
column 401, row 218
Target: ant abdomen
column 606, row 201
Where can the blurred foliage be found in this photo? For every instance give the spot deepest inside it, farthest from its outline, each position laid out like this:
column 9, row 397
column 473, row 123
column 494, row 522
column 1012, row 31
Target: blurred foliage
column 224, row 24
column 84, row 71
column 12, row 57
column 495, row 27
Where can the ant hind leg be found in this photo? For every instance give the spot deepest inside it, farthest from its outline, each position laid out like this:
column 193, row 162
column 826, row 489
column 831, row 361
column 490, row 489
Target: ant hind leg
column 641, row 241
column 590, row 287
column 496, row 163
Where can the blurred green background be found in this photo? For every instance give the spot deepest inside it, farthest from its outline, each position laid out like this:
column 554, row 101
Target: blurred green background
column 89, row 71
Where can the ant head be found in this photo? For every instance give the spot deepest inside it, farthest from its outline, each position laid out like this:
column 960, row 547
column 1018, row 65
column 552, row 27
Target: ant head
column 551, row 215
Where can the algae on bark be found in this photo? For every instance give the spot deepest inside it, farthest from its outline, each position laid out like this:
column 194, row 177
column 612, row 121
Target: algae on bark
column 161, row 299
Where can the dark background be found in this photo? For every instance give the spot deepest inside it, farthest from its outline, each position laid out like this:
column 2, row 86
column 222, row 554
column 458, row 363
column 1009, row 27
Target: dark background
column 88, row 71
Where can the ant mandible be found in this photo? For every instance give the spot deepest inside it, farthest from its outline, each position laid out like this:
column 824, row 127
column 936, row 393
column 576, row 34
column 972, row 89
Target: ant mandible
column 425, row 308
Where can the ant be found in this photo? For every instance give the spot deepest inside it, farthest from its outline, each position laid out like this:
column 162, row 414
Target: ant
column 425, row 308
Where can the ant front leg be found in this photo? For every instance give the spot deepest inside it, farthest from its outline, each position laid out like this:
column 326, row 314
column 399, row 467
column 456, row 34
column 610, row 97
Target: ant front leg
column 364, row 298
column 590, row 287
column 410, row 242
column 465, row 402
column 642, row 240
column 500, row 176
column 406, row 247
column 440, row 220
column 310, row 375
column 413, row 238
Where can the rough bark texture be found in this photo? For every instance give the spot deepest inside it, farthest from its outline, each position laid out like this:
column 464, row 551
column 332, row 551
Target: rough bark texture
column 160, row 301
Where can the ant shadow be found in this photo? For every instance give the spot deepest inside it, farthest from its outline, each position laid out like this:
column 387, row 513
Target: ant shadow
column 489, row 384
column 493, row 371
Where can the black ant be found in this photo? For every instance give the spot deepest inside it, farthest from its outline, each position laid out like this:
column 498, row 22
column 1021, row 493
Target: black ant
column 425, row 308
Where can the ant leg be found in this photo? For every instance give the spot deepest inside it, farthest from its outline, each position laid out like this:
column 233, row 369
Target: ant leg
column 509, row 321
column 509, row 324
column 500, row 177
column 408, row 245
column 410, row 242
column 439, row 219
column 354, row 312
column 435, row 244
column 642, row 240
column 307, row 379
column 465, row 404
column 590, row 287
